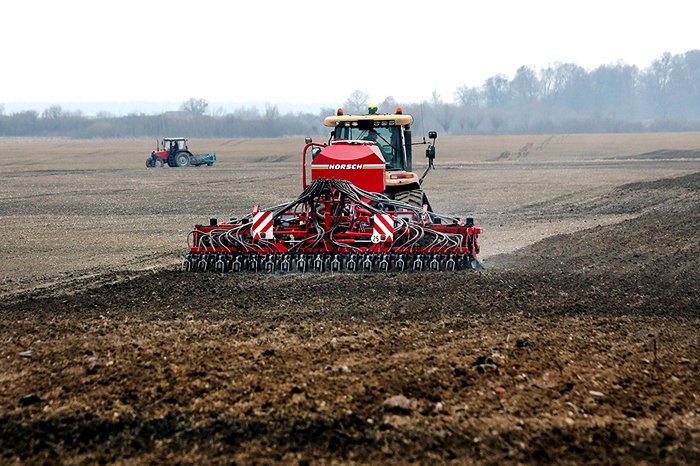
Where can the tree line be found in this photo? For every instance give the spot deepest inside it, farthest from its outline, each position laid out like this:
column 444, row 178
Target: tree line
column 562, row 98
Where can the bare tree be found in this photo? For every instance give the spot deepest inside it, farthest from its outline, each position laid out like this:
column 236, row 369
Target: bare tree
column 218, row 112
column 388, row 105
column 195, row 107
column 54, row 112
column 496, row 89
column 357, row 102
column 524, row 86
column 442, row 112
column 469, row 113
column 247, row 113
column 613, row 90
column 468, row 96
column 656, row 82
column 546, row 81
column 271, row 112
column 686, row 85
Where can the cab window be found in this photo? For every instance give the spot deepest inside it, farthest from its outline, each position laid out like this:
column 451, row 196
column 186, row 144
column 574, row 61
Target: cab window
column 388, row 139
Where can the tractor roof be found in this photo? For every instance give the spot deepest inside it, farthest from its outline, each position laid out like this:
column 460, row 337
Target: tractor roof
column 398, row 119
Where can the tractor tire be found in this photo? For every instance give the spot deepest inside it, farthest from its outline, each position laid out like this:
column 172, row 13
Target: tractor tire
column 414, row 197
column 182, row 159
column 149, row 163
column 158, row 163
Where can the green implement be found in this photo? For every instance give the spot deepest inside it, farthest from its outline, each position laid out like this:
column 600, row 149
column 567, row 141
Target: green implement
column 203, row 159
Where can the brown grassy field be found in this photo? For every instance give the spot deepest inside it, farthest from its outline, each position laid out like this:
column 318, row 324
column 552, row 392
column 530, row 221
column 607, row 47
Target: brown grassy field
column 578, row 343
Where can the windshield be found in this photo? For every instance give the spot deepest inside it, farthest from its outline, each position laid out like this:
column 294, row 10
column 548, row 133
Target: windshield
column 170, row 143
column 388, row 139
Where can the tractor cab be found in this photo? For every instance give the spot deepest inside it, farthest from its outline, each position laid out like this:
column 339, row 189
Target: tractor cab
column 173, row 144
column 391, row 133
column 389, row 139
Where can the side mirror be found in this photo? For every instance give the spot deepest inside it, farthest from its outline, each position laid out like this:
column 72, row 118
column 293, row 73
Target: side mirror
column 430, row 151
column 308, row 140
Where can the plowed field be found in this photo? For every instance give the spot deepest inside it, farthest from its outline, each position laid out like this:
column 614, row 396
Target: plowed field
column 579, row 342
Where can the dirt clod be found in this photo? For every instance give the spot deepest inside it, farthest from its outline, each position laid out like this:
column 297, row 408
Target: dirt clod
column 398, row 404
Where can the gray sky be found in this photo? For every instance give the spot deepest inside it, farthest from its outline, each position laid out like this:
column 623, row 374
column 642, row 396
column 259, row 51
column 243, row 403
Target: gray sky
column 314, row 51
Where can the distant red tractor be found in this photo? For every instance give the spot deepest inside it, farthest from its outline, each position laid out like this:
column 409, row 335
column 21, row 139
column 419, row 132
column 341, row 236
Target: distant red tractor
column 174, row 152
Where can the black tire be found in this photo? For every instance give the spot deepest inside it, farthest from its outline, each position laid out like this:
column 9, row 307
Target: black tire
column 149, row 163
column 182, row 159
column 158, row 163
column 414, row 197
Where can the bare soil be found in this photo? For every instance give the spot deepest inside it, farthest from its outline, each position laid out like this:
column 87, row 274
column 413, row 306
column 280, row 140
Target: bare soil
column 579, row 342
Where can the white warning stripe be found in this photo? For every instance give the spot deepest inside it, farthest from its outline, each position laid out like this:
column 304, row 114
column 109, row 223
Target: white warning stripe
column 383, row 227
column 262, row 226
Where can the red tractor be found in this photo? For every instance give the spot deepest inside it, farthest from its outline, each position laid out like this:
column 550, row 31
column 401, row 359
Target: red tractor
column 364, row 209
column 174, row 152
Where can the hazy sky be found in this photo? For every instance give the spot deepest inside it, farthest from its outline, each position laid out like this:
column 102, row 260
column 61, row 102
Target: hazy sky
column 314, row 51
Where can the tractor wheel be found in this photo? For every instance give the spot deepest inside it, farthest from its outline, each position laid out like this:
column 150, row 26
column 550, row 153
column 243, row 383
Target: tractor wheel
column 182, row 159
column 412, row 196
column 158, row 163
column 149, row 163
